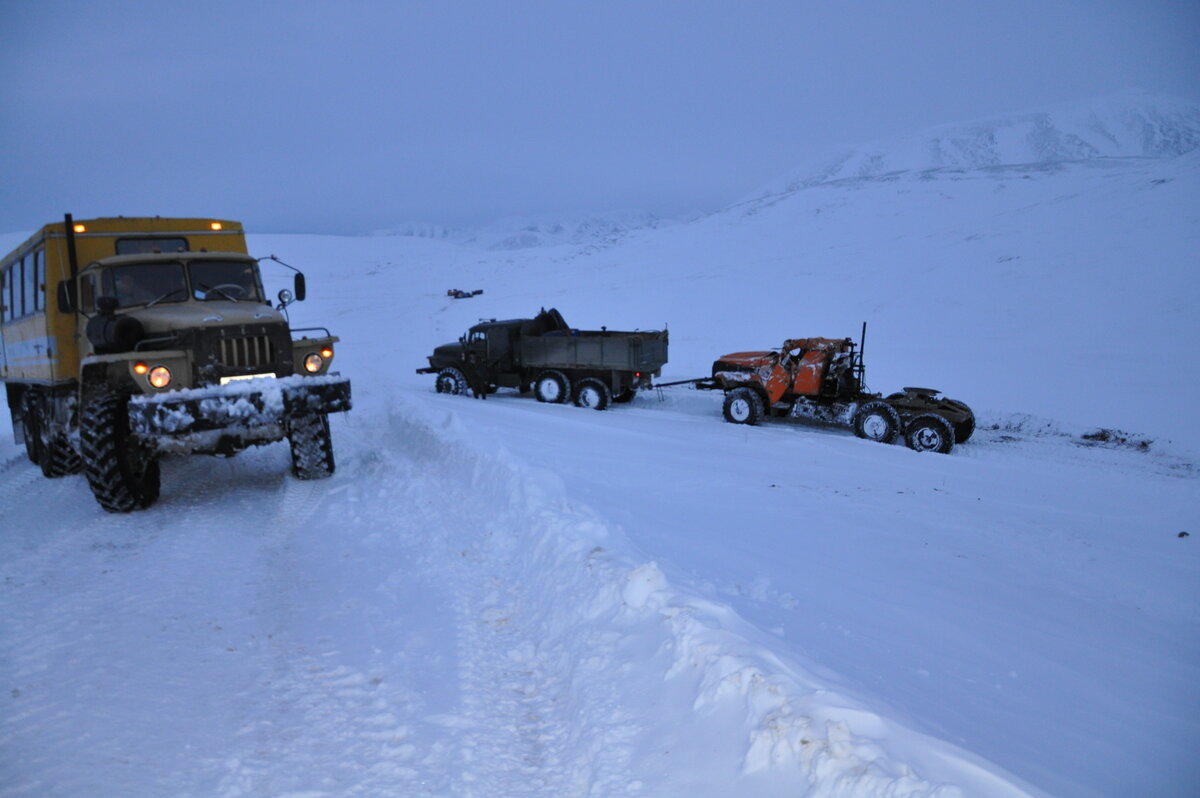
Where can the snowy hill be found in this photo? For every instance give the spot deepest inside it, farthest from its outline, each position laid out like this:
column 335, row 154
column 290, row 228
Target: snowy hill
column 508, row 598
column 1127, row 125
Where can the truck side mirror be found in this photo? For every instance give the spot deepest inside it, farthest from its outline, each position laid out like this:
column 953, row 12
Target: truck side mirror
column 299, row 287
column 66, row 297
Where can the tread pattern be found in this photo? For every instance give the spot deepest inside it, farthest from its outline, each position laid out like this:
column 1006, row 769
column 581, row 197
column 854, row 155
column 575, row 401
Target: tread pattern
column 111, row 472
column 59, row 458
column 312, row 446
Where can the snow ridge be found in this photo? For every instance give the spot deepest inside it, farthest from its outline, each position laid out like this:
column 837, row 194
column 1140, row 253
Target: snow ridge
column 1125, row 125
column 555, row 581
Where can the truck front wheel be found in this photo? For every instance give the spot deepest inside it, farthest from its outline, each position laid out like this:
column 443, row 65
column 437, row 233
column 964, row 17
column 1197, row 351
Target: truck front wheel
column 743, row 406
column 312, row 446
column 122, row 473
column 451, row 380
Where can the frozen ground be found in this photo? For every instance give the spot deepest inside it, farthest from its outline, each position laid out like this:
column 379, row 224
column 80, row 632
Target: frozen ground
column 509, row 598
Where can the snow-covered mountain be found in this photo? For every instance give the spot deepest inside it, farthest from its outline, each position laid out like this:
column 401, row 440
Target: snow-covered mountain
column 1126, row 125
column 508, row 598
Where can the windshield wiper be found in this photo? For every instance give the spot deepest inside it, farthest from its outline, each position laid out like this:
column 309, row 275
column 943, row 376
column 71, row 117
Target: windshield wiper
column 156, row 300
column 220, row 290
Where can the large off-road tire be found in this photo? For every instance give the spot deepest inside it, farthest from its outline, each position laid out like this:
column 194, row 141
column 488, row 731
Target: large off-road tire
column 312, row 446
column 31, row 429
column 51, row 450
column 743, row 406
column 122, row 474
column 59, row 458
column 552, row 386
column 451, row 380
column 592, row 392
column 929, row 433
column 877, row 421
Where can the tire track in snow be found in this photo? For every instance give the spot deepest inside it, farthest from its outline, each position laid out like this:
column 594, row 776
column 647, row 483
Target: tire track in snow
column 516, row 728
column 324, row 715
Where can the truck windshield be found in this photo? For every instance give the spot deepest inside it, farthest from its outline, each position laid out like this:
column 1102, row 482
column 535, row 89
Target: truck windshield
column 145, row 284
column 229, row 280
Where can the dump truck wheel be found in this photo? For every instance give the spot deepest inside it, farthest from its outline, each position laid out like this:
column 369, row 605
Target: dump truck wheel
column 552, row 387
column 742, row 406
column 877, row 421
column 929, row 433
column 312, row 446
column 122, row 474
column 593, row 393
column 451, row 380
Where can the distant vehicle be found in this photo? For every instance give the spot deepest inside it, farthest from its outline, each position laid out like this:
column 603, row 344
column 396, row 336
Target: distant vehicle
column 592, row 367
column 122, row 339
column 823, row 379
column 455, row 293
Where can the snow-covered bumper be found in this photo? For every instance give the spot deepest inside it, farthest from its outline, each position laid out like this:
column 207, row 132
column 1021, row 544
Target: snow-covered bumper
column 240, row 404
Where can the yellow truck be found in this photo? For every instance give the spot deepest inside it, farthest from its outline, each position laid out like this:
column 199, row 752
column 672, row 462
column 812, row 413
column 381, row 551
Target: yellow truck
column 124, row 339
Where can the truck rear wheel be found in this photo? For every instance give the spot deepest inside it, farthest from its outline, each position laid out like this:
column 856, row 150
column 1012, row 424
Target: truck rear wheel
column 743, row 406
column 59, row 458
column 31, row 429
column 877, row 421
column 122, row 473
column 451, row 380
column 312, row 446
column 965, row 427
column 593, row 393
column 552, row 386
column 929, row 433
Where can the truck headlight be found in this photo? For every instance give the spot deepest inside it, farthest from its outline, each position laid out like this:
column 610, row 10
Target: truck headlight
column 313, row 362
column 160, row 376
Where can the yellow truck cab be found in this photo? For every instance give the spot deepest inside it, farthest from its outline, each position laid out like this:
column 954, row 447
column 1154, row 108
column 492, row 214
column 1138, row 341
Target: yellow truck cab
column 123, row 339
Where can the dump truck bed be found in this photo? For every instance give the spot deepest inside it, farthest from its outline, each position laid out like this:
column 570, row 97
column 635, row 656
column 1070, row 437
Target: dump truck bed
column 595, row 349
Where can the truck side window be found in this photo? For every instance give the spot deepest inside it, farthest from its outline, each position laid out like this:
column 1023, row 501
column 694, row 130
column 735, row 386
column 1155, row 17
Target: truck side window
column 27, row 281
column 4, row 300
column 20, row 287
column 39, row 282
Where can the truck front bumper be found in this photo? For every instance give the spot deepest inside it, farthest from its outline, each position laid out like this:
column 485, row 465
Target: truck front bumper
column 239, row 405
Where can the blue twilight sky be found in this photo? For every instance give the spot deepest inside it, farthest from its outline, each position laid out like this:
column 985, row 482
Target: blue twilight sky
column 347, row 116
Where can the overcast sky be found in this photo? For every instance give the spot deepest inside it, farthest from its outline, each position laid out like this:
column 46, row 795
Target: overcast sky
column 348, row 116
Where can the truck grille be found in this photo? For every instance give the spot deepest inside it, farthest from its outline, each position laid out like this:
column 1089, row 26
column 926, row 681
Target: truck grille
column 248, row 352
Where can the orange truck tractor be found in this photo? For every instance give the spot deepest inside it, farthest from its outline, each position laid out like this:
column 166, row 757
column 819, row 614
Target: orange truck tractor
column 821, row 379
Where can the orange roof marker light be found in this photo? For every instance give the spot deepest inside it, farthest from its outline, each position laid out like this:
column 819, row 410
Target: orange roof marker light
column 215, row 225
column 79, row 228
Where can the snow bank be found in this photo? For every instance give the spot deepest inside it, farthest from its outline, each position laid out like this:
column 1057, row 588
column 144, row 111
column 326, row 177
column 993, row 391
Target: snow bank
column 592, row 599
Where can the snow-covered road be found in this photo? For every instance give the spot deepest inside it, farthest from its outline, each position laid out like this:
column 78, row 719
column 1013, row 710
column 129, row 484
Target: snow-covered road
column 509, row 598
